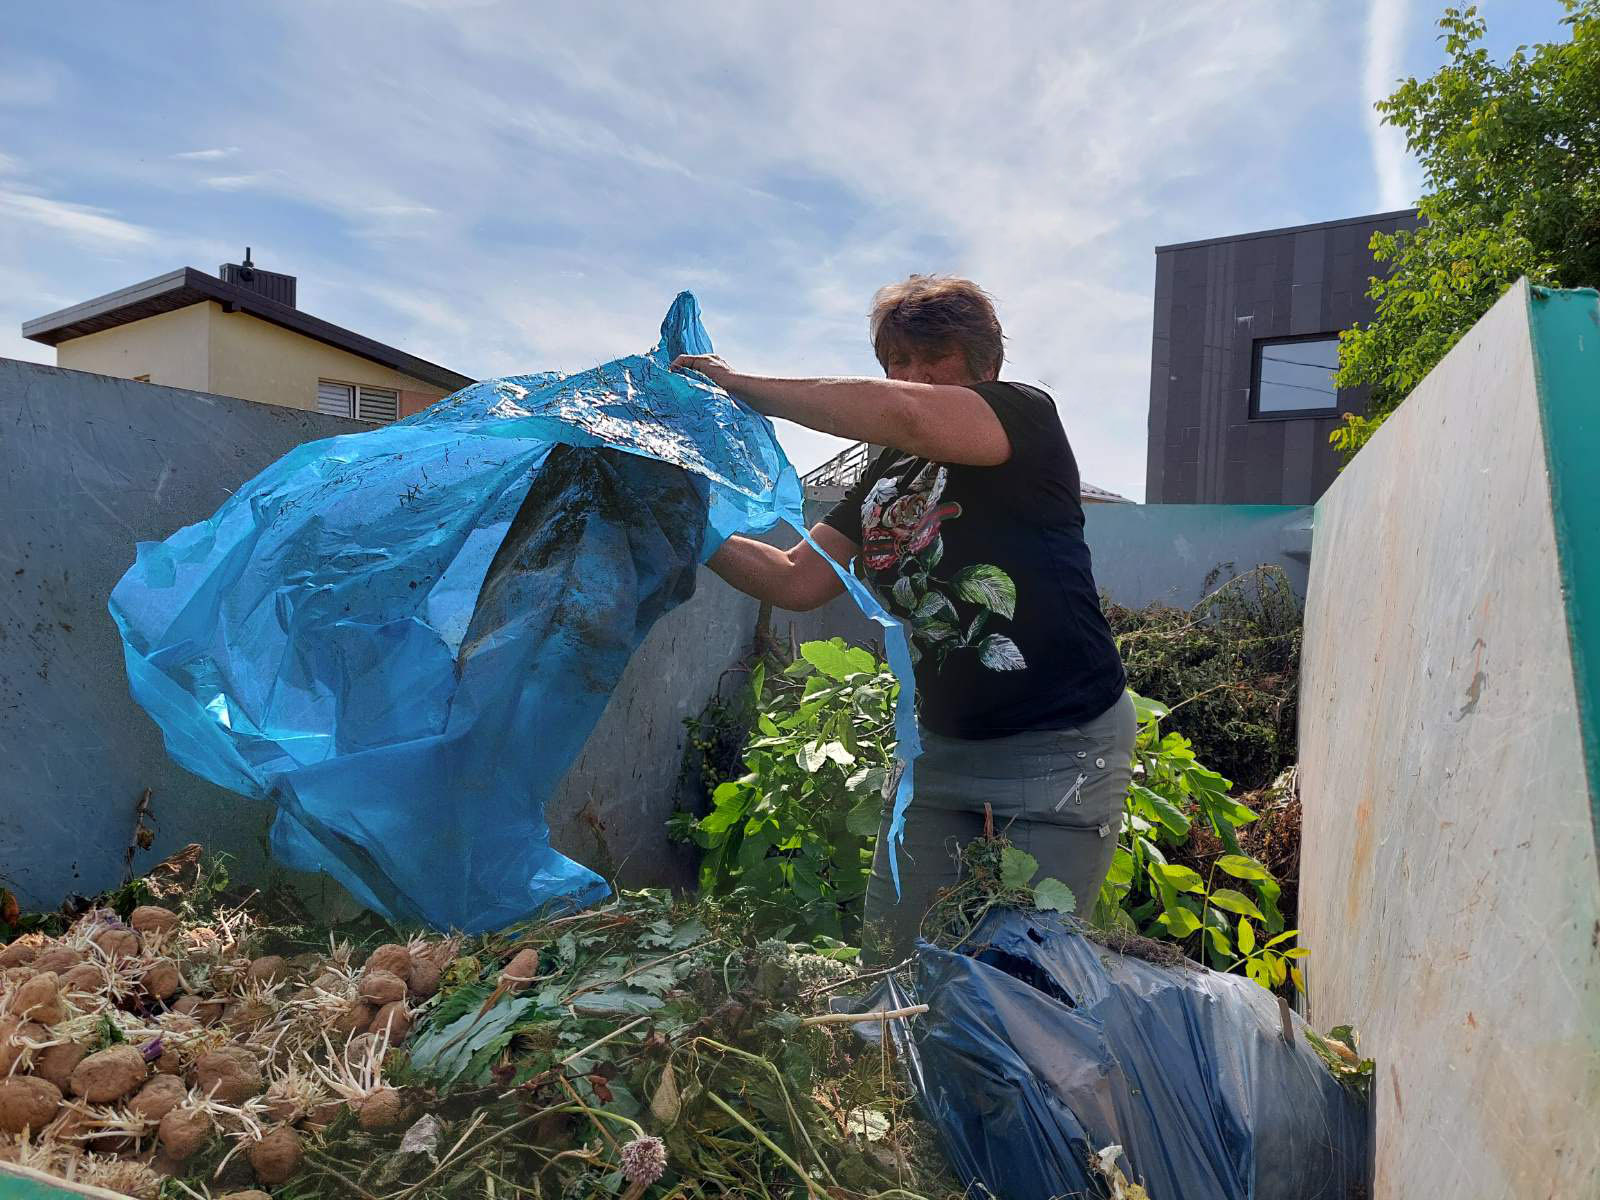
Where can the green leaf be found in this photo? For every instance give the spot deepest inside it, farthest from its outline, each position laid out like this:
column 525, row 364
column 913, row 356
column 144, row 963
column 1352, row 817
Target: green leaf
column 861, row 661
column 1179, row 922
column 807, row 883
column 727, row 813
column 904, row 593
column 1121, row 867
column 1146, row 710
column 838, row 754
column 615, row 1002
column 1052, row 895
column 811, row 757
column 868, row 779
column 829, row 657
column 1182, row 879
column 988, row 587
column 1241, row 867
column 446, row 1052
column 932, row 607
column 1284, row 936
column 1016, row 868
column 1236, row 902
column 1161, row 809
column 863, row 820
column 1247, row 937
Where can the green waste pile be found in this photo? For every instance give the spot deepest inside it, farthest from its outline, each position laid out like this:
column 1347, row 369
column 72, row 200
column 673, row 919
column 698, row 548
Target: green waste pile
column 646, row 1048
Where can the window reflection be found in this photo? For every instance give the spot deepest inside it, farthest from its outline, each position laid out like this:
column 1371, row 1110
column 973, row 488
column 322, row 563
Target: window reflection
column 1296, row 376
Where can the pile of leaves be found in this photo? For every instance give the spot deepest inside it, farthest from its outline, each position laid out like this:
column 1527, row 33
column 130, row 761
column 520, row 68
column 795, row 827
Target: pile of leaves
column 650, row 1047
column 1228, row 669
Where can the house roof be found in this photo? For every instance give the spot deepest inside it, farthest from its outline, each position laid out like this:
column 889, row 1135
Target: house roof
column 1088, row 491
column 1399, row 214
column 186, row 286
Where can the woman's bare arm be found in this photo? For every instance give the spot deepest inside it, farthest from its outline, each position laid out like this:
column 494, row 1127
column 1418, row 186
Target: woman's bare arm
column 798, row 579
column 936, row 421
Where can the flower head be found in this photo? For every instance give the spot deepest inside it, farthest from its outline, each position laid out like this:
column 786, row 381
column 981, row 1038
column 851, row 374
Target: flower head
column 644, row 1160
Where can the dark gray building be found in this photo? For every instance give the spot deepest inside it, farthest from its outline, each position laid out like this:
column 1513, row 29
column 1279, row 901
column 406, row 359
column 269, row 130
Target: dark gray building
column 1246, row 329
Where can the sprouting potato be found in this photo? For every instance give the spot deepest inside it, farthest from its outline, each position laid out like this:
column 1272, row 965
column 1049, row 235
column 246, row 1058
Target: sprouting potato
column 110, row 1074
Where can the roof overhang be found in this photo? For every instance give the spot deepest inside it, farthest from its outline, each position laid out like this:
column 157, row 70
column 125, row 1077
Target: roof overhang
column 186, row 286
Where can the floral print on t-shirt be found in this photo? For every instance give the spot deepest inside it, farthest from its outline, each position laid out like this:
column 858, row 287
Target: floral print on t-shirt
column 901, row 548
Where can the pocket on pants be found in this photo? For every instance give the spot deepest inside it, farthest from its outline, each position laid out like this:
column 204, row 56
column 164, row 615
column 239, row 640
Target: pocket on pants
column 1089, row 793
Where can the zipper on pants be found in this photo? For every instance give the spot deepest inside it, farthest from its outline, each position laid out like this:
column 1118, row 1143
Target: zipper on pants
column 1071, row 792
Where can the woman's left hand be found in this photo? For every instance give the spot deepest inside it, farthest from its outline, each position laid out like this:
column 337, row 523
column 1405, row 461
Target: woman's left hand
column 709, row 365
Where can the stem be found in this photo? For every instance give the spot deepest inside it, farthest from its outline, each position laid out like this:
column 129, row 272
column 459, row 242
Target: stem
column 794, row 1117
column 839, row 983
column 811, row 1188
column 324, row 1165
column 893, row 1014
column 627, row 974
column 602, row 1041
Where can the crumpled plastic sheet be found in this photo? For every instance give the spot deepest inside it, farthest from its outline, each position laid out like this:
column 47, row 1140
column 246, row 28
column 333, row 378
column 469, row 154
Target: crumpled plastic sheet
column 403, row 637
column 1041, row 1048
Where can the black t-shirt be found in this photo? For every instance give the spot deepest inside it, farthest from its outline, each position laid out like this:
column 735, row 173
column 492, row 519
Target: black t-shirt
column 988, row 570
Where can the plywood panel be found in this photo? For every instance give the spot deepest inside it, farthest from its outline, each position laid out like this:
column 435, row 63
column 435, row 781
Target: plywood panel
column 1449, row 893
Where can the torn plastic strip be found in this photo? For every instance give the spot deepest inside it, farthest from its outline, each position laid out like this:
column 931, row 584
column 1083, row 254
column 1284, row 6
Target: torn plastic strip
column 908, row 743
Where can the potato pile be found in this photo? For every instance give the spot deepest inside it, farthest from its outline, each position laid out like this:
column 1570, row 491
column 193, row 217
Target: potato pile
column 129, row 1047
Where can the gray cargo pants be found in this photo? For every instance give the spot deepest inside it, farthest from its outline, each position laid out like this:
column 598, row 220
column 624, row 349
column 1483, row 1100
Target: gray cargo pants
column 1057, row 794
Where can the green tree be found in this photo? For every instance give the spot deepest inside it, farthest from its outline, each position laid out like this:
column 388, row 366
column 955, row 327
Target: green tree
column 1511, row 160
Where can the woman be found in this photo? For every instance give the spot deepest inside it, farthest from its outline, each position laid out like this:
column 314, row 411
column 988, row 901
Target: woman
column 969, row 527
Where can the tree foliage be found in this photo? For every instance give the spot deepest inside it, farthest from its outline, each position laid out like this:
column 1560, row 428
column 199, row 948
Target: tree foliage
column 1511, row 160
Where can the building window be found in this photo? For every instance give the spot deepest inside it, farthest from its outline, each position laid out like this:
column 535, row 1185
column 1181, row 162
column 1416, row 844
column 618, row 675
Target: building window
column 1293, row 377
column 358, row 401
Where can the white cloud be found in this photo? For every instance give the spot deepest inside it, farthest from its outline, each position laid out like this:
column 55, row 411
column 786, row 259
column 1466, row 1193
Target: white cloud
column 79, row 222
column 1024, row 145
column 208, row 155
column 32, row 84
column 1398, row 182
column 236, row 183
column 535, row 198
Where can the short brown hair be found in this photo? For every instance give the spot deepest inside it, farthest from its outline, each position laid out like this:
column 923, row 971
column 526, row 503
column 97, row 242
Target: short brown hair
column 938, row 312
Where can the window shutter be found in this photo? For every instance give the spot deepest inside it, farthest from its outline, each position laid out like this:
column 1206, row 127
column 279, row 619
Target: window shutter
column 378, row 404
column 334, row 399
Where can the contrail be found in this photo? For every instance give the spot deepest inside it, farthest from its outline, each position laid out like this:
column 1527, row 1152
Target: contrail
column 1391, row 163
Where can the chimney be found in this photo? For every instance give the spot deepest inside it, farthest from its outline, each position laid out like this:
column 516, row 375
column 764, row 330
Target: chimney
column 266, row 283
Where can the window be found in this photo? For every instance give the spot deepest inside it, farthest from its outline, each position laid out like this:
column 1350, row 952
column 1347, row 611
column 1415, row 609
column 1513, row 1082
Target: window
column 357, row 400
column 377, row 404
column 1294, row 377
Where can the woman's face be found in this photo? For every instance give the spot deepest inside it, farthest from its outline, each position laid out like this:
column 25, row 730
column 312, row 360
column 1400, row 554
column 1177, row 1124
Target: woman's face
column 928, row 366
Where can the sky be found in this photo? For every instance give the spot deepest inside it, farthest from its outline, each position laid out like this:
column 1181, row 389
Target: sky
column 505, row 188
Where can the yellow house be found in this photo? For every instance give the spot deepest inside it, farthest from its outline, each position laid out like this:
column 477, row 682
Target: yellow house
column 238, row 333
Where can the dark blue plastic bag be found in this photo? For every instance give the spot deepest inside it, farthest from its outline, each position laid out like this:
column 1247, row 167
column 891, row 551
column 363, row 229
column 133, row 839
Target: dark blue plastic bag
column 403, row 637
column 1041, row 1048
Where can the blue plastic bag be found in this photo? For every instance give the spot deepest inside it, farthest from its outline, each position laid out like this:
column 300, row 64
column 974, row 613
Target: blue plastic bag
column 403, row 637
column 1041, row 1048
